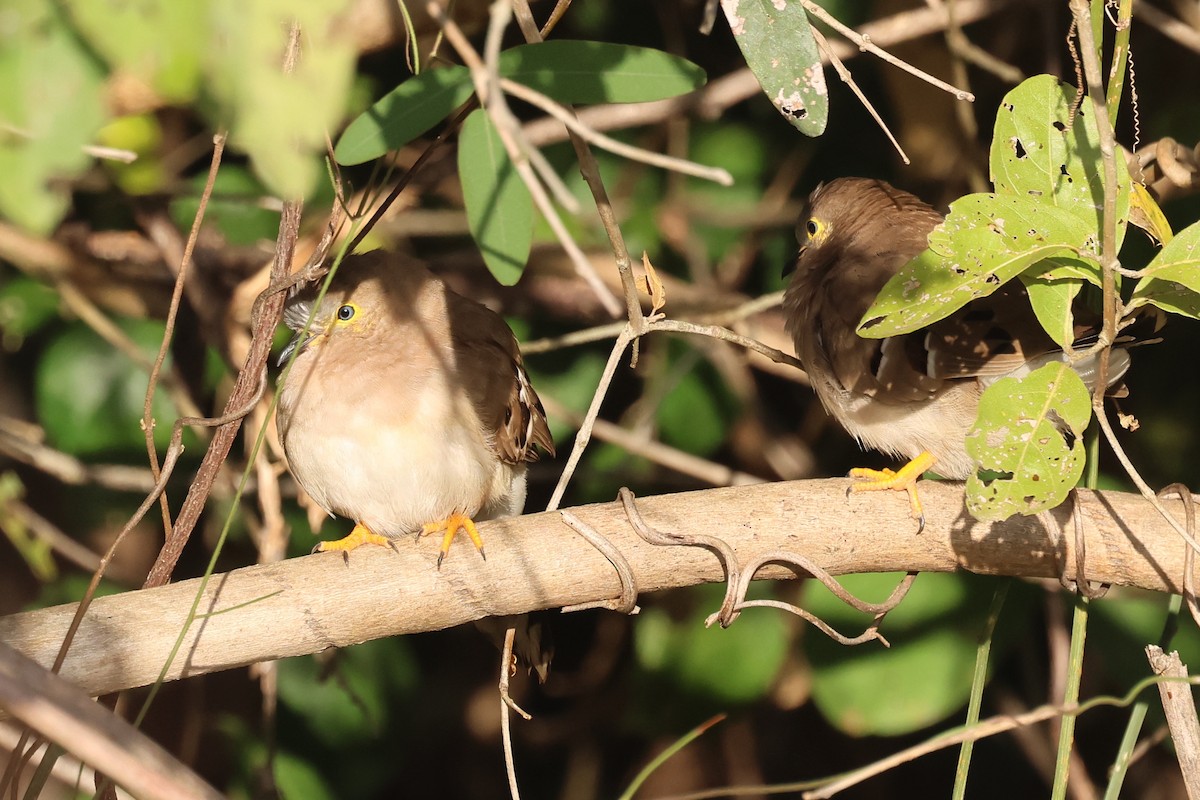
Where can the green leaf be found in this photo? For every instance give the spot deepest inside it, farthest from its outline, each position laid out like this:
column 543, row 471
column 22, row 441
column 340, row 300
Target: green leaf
column 1178, row 261
column 353, row 704
column 52, row 105
column 89, row 396
column 161, row 43
column 985, row 241
column 235, row 208
column 25, row 306
column 279, row 119
column 1171, row 297
column 1039, row 150
column 499, row 206
column 925, row 675
column 1052, row 302
column 567, row 71
column 1027, row 443
column 404, row 113
column 297, row 777
column 732, row 665
column 574, row 71
column 777, row 43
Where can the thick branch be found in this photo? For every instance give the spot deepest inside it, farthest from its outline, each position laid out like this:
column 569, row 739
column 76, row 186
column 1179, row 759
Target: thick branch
column 305, row 605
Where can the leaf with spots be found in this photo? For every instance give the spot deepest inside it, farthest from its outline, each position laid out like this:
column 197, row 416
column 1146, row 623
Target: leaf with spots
column 778, row 45
column 1172, row 279
column 1040, row 149
column 985, row 241
column 1027, row 443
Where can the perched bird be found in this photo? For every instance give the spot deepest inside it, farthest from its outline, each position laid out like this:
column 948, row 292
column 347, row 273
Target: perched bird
column 407, row 409
column 913, row 396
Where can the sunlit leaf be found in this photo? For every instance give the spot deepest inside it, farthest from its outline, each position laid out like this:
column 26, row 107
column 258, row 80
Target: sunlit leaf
column 778, row 45
column 158, row 45
column 985, row 241
column 1052, row 303
column 281, row 120
column 498, row 204
column 51, row 106
column 565, row 70
column 1027, row 443
column 1040, row 149
column 404, row 113
column 1178, row 261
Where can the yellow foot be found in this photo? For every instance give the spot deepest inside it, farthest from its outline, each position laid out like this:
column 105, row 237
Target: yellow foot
column 356, row 538
column 902, row 480
column 450, row 527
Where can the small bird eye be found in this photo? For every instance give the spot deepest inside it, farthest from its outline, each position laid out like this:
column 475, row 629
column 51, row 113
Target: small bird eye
column 813, row 227
column 345, row 312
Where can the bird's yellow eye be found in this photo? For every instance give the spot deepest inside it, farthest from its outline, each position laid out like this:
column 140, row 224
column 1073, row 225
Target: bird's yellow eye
column 346, row 312
column 813, row 227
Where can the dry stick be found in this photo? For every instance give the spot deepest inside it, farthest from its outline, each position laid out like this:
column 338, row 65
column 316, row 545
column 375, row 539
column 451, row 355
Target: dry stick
column 967, row 51
column 844, row 74
column 506, row 703
column 1108, row 257
column 728, row 90
column 865, row 43
column 710, row 472
column 172, row 314
column 641, row 155
column 174, row 450
column 986, row 728
column 251, row 378
column 1180, row 709
column 611, row 329
column 627, row 602
column 591, row 175
column 507, row 128
column 62, row 713
column 295, row 606
column 67, row 468
column 1174, row 29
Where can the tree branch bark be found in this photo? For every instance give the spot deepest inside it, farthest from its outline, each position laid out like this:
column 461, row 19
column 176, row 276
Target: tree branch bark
column 306, row 605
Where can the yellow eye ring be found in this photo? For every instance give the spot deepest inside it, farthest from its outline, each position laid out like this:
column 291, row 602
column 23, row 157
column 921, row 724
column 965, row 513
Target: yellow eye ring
column 813, row 227
column 347, row 312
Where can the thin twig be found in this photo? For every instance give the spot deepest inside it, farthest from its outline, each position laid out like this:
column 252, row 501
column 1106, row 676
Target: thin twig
column 844, row 74
column 680, row 165
column 608, row 218
column 627, row 602
column 865, row 43
column 505, row 125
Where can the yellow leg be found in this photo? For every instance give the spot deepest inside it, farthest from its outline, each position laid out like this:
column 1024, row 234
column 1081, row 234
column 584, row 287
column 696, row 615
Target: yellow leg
column 356, row 538
column 904, row 479
column 450, row 527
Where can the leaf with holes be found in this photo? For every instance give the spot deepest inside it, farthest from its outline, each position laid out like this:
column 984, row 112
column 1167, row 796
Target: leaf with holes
column 1041, row 150
column 499, row 206
column 1027, row 443
column 985, row 241
column 1172, row 279
column 778, row 45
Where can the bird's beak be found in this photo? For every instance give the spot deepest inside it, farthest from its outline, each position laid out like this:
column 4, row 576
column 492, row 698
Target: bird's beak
column 790, row 266
column 298, row 344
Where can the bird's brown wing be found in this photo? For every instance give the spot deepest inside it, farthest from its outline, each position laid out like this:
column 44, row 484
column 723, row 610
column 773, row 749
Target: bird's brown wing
column 499, row 387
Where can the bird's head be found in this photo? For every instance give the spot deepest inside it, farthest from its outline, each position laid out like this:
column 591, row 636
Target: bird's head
column 360, row 299
column 856, row 220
